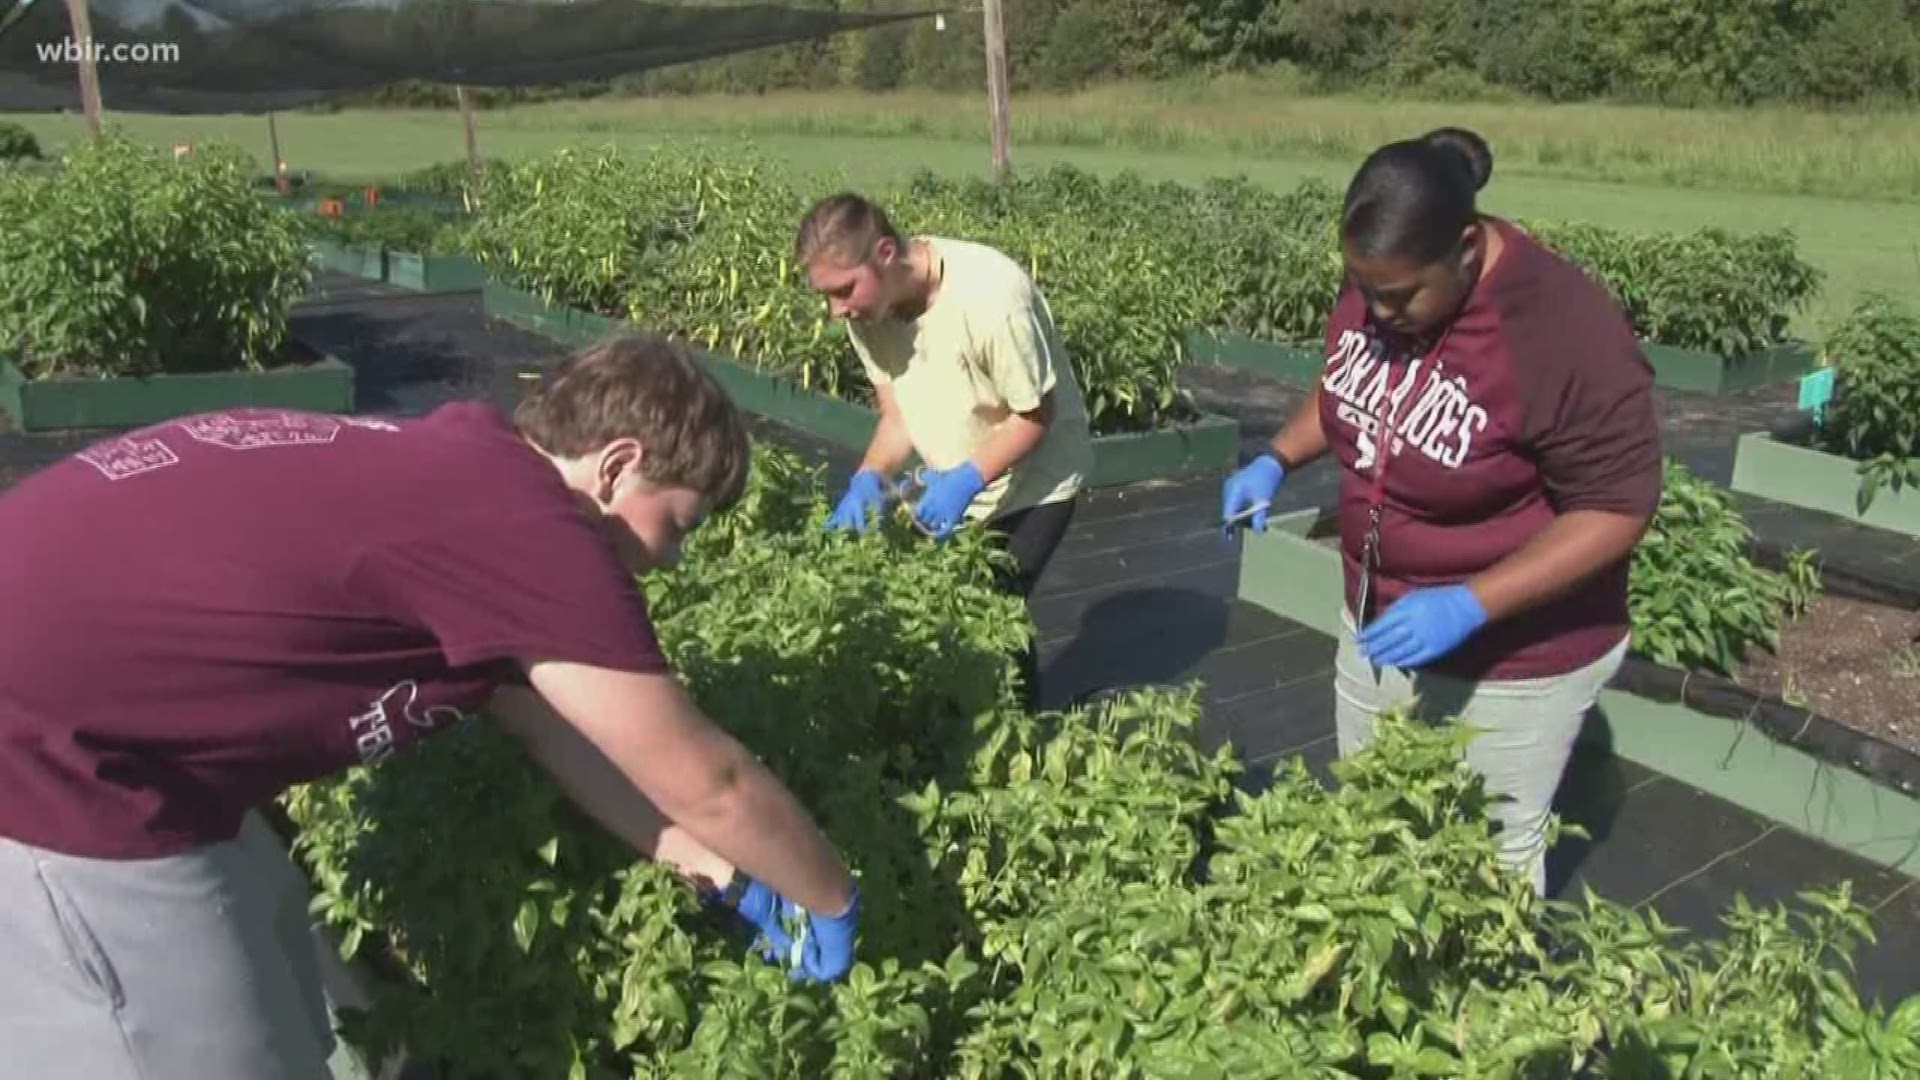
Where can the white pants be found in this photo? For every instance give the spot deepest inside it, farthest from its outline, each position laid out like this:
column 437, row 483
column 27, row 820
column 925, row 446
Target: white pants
column 198, row 966
column 1530, row 728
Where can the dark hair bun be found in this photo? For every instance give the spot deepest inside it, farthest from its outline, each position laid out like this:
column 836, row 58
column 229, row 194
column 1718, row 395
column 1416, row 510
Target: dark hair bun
column 1474, row 153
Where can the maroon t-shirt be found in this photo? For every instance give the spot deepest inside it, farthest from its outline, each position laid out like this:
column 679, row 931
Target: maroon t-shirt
column 204, row 612
column 1539, row 402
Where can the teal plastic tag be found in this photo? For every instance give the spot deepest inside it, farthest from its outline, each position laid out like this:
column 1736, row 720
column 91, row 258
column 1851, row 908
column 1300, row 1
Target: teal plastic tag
column 1816, row 389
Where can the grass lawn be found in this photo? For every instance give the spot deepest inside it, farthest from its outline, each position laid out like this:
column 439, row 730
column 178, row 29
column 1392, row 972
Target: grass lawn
column 1629, row 168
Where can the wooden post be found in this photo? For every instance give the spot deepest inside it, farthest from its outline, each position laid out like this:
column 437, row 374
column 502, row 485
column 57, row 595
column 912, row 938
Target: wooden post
column 279, row 164
column 89, row 76
column 466, row 121
column 997, row 86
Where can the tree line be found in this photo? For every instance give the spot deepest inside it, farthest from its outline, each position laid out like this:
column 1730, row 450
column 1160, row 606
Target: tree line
column 1677, row 52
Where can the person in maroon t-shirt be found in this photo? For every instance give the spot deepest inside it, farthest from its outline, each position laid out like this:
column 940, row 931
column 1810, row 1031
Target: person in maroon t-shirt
column 1499, row 445
column 209, row 610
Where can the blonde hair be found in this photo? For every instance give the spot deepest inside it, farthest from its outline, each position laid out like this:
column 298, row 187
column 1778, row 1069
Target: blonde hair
column 844, row 225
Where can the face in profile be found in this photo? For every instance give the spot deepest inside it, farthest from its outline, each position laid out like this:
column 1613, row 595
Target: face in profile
column 854, row 290
column 657, row 521
column 647, row 523
column 1412, row 299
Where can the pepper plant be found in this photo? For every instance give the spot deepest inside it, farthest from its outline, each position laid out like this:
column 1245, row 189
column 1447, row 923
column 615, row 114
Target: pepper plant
column 1695, row 596
column 1874, row 417
column 123, row 260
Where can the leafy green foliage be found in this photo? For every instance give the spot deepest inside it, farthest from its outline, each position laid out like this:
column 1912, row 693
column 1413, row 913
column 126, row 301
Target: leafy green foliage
column 1707, row 290
column 17, row 143
column 695, row 243
column 126, row 261
column 1080, row 895
column 1874, row 417
column 1696, row 598
column 412, row 229
column 449, row 179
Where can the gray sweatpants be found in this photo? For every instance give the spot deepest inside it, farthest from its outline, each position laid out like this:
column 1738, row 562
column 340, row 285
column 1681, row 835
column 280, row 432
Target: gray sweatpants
column 197, row 966
column 1531, row 725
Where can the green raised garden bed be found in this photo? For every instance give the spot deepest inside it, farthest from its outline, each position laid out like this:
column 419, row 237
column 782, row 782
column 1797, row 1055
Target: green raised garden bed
column 1288, row 573
column 1209, row 445
column 1708, row 373
column 305, row 379
column 1816, row 480
column 356, row 259
column 1295, row 365
column 434, row 273
column 1675, row 369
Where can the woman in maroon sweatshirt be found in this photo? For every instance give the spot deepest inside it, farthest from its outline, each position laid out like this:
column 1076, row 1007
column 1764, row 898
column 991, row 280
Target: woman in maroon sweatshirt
column 1487, row 535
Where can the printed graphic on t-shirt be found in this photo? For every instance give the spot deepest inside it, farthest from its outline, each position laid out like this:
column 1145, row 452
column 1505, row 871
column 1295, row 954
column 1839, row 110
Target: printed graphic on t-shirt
column 129, row 456
column 1441, row 423
column 239, row 429
column 373, row 729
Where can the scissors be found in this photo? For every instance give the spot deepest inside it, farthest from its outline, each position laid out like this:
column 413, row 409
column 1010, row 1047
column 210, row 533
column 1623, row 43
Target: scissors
column 1245, row 515
column 907, row 491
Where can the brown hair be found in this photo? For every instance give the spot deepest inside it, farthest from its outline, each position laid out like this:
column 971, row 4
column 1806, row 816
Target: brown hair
column 845, row 225
column 646, row 388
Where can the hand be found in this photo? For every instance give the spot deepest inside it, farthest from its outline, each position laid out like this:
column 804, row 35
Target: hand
column 948, row 495
column 1252, row 486
column 824, row 952
column 760, row 907
column 866, row 495
column 1422, row 627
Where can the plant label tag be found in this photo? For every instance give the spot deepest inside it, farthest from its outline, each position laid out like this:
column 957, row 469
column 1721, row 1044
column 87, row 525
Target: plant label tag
column 1816, row 389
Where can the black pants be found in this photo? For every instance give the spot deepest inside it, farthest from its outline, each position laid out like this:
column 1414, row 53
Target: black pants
column 1030, row 535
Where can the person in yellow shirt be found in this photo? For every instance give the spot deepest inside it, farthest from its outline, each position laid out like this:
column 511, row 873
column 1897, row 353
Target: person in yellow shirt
column 969, row 374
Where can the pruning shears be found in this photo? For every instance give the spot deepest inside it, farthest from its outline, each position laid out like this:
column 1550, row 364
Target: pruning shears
column 907, row 491
column 1245, row 515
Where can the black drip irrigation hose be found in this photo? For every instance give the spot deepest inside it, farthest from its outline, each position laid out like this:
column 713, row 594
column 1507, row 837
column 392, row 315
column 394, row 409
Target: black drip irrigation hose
column 1882, row 762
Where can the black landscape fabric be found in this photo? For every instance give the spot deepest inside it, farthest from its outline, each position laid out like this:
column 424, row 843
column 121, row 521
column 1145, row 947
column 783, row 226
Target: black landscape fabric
column 257, row 55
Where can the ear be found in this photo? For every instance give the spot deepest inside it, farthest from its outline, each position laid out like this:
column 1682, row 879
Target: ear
column 618, row 461
column 884, row 251
column 1472, row 238
column 1473, row 246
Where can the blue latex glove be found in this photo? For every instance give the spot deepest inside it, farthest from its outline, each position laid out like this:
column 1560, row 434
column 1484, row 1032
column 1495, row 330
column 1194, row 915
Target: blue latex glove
column 758, row 905
column 825, row 950
column 948, row 495
column 1253, row 485
column 866, row 497
column 1422, row 627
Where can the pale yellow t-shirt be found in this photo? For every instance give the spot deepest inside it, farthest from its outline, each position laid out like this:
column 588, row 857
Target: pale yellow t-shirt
column 985, row 348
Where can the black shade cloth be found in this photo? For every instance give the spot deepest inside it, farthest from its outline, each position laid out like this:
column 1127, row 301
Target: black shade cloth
column 258, row 55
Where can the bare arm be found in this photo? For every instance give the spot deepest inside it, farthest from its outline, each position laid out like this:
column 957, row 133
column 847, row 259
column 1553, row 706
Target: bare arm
column 598, row 787
column 698, row 776
column 1301, row 441
column 890, row 446
column 1579, row 544
column 1013, row 439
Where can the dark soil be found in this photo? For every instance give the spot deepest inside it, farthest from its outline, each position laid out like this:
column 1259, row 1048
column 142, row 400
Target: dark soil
column 1851, row 661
